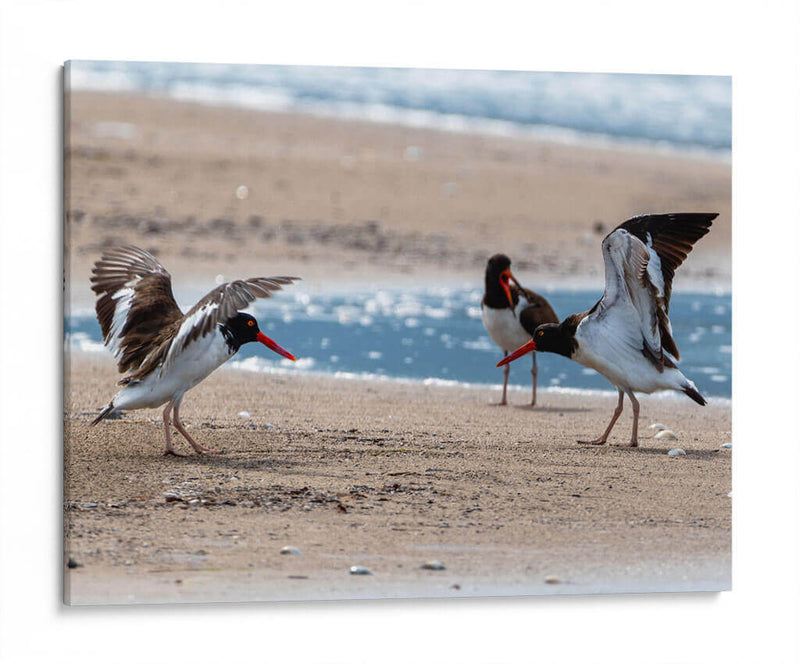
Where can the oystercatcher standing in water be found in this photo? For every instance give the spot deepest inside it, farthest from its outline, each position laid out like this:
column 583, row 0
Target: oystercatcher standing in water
column 512, row 313
column 166, row 351
column 627, row 336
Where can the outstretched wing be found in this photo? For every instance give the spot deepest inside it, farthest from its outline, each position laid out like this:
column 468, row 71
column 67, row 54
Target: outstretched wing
column 135, row 305
column 671, row 237
column 641, row 256
column 218, row 306
column 629, row 304
column 223, row 302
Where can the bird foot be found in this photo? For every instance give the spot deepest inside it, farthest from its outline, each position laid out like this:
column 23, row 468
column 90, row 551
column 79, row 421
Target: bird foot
column 596, row 441
column 633, row 443
column 499, row 403
column 170, row 452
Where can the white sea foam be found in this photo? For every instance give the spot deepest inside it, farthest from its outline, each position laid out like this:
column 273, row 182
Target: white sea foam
column 81, row 341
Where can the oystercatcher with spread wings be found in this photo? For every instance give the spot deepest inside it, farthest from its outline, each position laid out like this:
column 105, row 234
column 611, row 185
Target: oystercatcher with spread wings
column 627, row 335
column 512, row 313
column 166, row 351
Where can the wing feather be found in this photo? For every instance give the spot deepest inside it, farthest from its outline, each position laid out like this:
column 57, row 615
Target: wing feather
column 630, row 301
column 224, row 302
column 671, row 237
column 641, row 256
column 135, row 305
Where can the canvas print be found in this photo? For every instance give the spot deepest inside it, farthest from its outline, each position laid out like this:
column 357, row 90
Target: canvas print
column 343, row 333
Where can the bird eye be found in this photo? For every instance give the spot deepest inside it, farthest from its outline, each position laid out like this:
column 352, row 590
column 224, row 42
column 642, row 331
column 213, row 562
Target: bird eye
column 540, row 333
column 251, row 323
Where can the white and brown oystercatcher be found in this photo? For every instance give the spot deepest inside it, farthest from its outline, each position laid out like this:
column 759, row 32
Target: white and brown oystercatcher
column 512, row 313
column 627, row 335
column 166, row 351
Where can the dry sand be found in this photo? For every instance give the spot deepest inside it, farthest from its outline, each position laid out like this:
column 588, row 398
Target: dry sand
column 383, row 475
column 388, row 476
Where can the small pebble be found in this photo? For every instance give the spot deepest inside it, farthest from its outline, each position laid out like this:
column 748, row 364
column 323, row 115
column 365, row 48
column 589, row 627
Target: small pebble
column 552, row 580
column 244, row 414
column 433, row 564
column 676, row 452
column 358, row 569
column 725, row 446
column 72, row 564
column 242, row 192
column 657, row 426
column 666, row 434
column 291, row 551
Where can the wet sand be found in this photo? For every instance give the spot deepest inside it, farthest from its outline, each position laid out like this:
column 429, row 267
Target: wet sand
column 383, row 475
column 338, row 201
column 388, row 476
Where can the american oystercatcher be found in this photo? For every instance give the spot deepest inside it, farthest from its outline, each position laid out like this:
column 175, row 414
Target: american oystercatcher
column 512, row 313
column 166, row 351
column 627, row 336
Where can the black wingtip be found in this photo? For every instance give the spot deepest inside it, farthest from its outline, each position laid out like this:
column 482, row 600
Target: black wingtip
column 105, row 413
column 693, row 394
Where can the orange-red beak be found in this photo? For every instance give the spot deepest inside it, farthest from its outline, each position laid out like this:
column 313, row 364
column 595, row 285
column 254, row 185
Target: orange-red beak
column 269, row 343
column 505, row 277
column 522, row 350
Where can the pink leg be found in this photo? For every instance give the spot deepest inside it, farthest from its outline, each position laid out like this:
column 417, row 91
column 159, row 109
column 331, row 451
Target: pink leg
column 617, row 412
column 201, row 449
column 635, row 431
column 169, row 450
column 534, row 373
column 506, row 369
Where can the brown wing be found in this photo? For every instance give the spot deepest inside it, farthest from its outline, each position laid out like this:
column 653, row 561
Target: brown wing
column 224, row 302
column 671, row 236
column 218, row 306
column 135, row 305
column 537, row 312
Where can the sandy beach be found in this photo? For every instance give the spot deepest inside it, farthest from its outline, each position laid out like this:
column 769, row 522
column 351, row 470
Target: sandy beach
column 388, row 476
column 380, row 474
column 344, row 201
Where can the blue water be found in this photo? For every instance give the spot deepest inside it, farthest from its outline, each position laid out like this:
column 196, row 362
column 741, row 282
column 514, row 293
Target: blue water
column 438, row 334
column 678, row 111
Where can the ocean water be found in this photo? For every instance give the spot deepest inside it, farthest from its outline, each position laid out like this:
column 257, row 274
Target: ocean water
column 436, row 336
column 674, row 112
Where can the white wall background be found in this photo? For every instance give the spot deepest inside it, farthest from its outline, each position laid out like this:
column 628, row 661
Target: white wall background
column 756, row 43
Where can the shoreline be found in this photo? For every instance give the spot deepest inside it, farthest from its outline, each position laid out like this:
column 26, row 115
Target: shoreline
column 337, row 202
column 429, row 381
column 452, row 123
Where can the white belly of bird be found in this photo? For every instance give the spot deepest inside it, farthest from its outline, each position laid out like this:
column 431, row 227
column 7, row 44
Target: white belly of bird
column 624, row 366
column 173, row 379
column 504, row 327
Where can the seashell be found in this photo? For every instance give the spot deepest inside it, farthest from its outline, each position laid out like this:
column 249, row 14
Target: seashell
column 725, row 446
column 433, row 564
column 244, row 414
column 358, row 569
column 666, row 434
column 677, row 452
column 291, row 551
column 657, row 426
column 552, row 580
